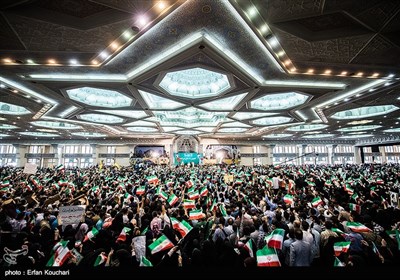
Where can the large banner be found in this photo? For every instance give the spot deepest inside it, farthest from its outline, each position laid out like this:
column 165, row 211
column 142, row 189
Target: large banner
column 71, row 214
column 184, row 158
column 30, row 168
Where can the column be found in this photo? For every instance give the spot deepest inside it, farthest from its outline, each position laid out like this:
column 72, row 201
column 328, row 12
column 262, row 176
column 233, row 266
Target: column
column 300, row 155
column 357, row 155
column 269, row 159
column 95, row 154
column 20, row 159
column 331, row 149
column 59, row 156
column 383, row 154
column 54, row 161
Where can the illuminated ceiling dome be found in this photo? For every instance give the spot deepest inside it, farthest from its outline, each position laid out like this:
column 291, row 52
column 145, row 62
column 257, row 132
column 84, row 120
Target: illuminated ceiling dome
column 98, row 118
column 99, row 97
column 195, row 83
column 271, row 120
column 307, row 127
column 59, row 125
column 11, row 109
column 279, row 101
column 359, row 128
column 362, row 112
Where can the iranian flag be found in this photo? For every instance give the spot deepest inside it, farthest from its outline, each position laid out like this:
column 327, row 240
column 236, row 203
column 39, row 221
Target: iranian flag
column 172, row 199
column 145, row 262
column 249, row 248
column 267, row 257
column 328, row 183
column 189, row 204
column 183, row 227
column 169, row 183
column 275, row 238
column 213, row 205
column 189, row 183
column 204, row 191
column 122, row 235
column 269, row 181
column 161, row 244
column 395, row 234
column 223, row 210
column 63, row 182
column 141, row 190
column 349, row 189
column 341, row 247
column 338, row 231
column 163, row 195
column 194, row 195
column 379, row 181
column 153, row 180
column 355, row 196
column 355, row 207
column 60, row 167
column 5, row 183
column 196, row 214
column 301, row 172
column 91, row 234
column 239, row 182
column 338, row 263
column 288, row 199
column 316, row 201
column 60, row 254
column 101, row 258
column 357, row 227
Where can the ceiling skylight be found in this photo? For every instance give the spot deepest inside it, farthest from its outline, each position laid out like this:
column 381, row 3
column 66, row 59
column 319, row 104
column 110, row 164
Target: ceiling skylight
column 318, row 136
column 3, row 135
column 271, row 120
column 279, row 101
column 189, row 117
column 397, row 129
column 11, row 109
column 235, row 124
column 232, row 130
column 206, row 129
column 188, row 132
column 307, row 127
column 170, row 128
column 59, row 125
column 89, row 134
column 359, row 128
column 99, row 97
column 195, row 83
column 249, row 115
column 228, row 103
column 355, row 136
column 38, row 134
column 359, row 122
column 7, row 126
column 364, row 112
column 275, row 135
column 135, row 114
column 141, row 123
column 98, row 118
column 142, row 129
column 159, row 103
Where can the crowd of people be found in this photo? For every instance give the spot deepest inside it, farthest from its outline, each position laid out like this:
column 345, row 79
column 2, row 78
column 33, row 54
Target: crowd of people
column 199, row 216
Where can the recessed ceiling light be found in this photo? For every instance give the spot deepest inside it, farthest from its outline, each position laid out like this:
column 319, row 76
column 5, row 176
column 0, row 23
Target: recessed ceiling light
column 51, row 61
column 127, row 34
column 375, row 75
column 95, row 62
column 310, row 71
column 73, row 61
column 114, row 45
column 142, row 21
column 15, row 91
column 2, row 85
column 281, row 53
column 360, row 74
column 104, row 54
column 30, row 61
column 391, row 76
column 7, row 60
column 343, row 73
column 161, row 5
column 264, row 28
column 328, row 72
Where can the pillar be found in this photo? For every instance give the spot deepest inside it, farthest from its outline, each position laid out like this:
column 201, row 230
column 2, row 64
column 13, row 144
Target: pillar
column 383, row 154
column 95, row 154
column 357, row 155
column 269, row 160
column 20, row 159
column 331, row 153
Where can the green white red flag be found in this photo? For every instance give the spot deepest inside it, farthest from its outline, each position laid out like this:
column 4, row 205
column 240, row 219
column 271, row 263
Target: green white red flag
column 267, row 257
column 91, row 234
column 275, row 238
column 161, row 244
column 101, row 258
column 189, row 204
column 341, row 247
column 357, row 227
column 145, row 262
column 249, row 248
column 59, row 254
column 288, row 199
column 172, row 199
column 196, row 215
column 316, row 201
column 122, row 236
column 338, row 263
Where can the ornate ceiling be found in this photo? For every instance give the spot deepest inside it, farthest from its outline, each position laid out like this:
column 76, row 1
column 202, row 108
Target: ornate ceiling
column 278, row 69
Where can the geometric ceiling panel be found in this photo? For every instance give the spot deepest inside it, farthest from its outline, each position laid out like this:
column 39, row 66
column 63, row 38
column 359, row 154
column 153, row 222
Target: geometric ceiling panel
column 271, row 120
column 275, row 135
column 135, row 114
column 279, row 101
column 195, row 83
column 206, row 129
column 40, row 134
column 235, row 124
column 89, row 134
column 3, row 135
column 189, row 117
column 170, row 128
column 228, row 103
column 307, row 127
column 59, row 125
column 187, row 132
column 142, row 129
column 11, row 109
column 7, row 126
column 318, row 136
column 141, row 123
column 397, row 129
column 362, row 112
column 156, row 102
column 355, row 136
column 232, row 130
column 98, row 118
column 250, row 115
column 99, row 97
column 359, row 128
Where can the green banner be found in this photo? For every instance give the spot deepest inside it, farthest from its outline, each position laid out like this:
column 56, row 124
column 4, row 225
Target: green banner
column 185, row 158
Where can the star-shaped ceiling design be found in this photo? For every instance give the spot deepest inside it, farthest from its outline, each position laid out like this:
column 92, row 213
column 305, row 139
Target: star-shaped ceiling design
column 212, row 68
